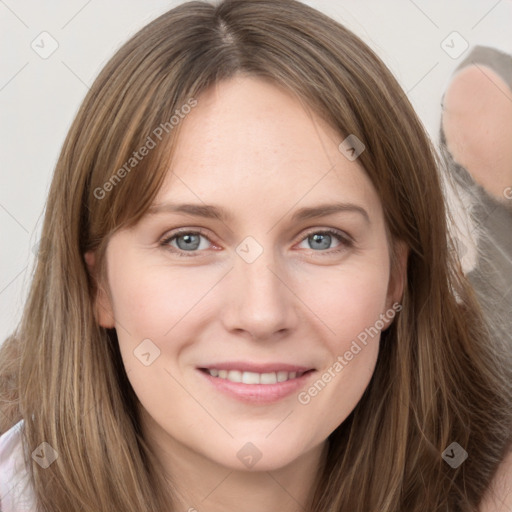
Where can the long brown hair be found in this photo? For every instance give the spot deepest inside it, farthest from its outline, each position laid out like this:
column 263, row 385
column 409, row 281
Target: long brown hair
column 437, row 379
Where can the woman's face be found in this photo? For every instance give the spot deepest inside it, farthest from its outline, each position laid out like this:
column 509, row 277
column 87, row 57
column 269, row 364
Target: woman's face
column 257, row 285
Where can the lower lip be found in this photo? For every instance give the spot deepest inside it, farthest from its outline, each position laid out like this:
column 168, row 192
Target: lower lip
column 258, row 393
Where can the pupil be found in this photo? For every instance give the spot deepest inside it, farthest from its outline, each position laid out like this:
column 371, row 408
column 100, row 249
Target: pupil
column 322, row 238
column 188, row 241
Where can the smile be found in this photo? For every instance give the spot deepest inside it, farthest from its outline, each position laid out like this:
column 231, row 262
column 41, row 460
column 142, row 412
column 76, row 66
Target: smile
column 256, row 383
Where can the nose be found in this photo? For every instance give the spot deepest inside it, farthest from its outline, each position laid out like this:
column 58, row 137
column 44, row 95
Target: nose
column 261, row 301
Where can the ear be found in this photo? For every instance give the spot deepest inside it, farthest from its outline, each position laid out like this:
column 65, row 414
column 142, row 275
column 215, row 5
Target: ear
column 398, row 275
column 102, row 305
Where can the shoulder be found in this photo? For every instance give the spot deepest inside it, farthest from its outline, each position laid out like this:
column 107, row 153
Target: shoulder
column 498, row 497
column 15, row 488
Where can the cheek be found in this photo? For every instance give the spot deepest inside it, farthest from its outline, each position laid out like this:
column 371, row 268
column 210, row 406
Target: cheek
column 349, row 301
column 351, row 356
column 150, row 301
column 151, row 304
column 350, row 304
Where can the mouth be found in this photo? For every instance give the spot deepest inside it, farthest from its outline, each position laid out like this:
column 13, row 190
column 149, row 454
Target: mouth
column 252, row 383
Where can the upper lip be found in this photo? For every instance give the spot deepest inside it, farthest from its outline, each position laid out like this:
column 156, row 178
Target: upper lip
column 256, row 368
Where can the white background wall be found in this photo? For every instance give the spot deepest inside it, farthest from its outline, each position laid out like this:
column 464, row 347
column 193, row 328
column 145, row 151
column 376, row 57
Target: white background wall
column 39, row 97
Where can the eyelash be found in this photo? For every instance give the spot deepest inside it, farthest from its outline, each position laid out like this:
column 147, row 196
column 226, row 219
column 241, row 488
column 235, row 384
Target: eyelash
column 346, row 241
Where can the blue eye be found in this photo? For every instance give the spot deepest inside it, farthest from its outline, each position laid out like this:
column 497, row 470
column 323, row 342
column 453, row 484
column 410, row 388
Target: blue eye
column 187, row 241
column 323, row 239
column 183, row 242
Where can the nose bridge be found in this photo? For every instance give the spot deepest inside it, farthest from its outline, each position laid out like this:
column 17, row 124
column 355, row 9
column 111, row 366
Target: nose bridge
column 259, row 280
column 261, row 302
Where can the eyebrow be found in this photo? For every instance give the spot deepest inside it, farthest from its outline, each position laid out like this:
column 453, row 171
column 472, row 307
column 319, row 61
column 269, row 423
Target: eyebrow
column 216, row 212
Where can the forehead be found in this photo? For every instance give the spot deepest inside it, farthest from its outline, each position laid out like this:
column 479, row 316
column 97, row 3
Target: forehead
column 251, row 143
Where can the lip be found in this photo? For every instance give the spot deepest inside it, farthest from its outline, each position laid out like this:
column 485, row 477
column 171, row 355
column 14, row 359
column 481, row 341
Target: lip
column 258, row 393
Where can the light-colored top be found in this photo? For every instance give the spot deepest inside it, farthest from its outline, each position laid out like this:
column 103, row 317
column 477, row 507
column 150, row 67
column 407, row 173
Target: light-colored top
column 16, row 493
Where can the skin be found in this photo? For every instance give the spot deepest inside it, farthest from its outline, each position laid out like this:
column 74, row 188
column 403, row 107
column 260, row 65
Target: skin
column 251, row 148
column 477, row 120
column 498, row 497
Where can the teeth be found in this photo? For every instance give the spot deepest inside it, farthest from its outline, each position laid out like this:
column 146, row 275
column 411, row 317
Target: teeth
column 235, row 376
column 282, row 376
column 268, row 378
column 253, row 377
